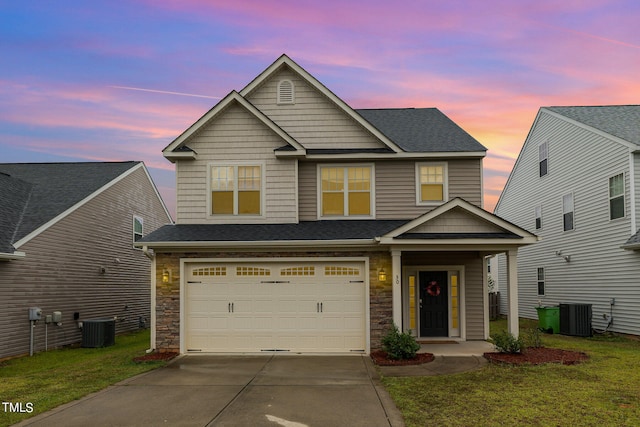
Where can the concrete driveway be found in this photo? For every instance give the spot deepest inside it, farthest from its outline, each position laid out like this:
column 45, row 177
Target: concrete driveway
column 270, row 390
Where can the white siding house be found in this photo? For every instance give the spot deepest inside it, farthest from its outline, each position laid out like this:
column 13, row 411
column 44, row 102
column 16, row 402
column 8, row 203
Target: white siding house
column 575, row 184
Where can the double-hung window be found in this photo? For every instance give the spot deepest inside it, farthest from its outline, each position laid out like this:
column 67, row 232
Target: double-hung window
column 543, row 158
column 431, row 183
column 567, row 212
column 538, row 210
column 346, row 191
column 616, row 196
column 236, row 189
column 138, row 228
column 541, row 280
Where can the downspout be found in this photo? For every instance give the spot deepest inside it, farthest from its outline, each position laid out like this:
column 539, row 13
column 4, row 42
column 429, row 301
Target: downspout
column 632, row 192
column 152, row 257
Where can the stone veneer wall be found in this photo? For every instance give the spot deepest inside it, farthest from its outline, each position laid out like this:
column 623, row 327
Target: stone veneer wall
column 168, row 294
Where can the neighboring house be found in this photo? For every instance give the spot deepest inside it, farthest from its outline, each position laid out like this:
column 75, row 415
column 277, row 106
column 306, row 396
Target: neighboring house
column 306, row 226
column 576, row 184
column 66, row 244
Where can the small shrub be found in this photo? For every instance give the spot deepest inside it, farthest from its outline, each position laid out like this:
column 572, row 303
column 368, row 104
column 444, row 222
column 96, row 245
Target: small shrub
column 531, row 338
column 400, row 345
column 505, row 342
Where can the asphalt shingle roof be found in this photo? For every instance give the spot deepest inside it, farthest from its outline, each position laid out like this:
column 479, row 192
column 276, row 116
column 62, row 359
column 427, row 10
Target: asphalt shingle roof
column 305, row 230
column 634, row 240
column 34, row 193
column 421, row 130
column 622, row 121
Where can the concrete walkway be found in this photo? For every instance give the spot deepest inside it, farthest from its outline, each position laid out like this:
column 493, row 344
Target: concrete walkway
column 279, row 390
column 450, row 358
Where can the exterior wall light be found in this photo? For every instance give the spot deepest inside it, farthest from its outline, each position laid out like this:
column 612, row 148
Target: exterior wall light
column 166, row 276
column 382, row 275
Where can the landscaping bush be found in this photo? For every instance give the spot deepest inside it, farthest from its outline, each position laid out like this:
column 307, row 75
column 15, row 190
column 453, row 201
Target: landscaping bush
column 400, row 345
column 531, row 338
column 505, row 342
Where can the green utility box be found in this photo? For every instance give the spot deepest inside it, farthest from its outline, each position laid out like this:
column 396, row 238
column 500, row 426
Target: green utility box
column 549, row 319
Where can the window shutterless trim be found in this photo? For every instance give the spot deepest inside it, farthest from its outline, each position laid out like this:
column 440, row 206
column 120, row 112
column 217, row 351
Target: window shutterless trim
column 445, row 184
column 345, row 192
column 235, row 165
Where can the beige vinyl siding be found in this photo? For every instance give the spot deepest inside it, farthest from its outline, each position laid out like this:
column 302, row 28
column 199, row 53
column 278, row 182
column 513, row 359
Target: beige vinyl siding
column 61, row 269
column 312, row 119
column 395, row 184
column 580, row 162
column 236, row 136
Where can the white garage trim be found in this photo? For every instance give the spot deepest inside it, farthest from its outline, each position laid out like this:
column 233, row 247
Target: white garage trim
column 259, row 262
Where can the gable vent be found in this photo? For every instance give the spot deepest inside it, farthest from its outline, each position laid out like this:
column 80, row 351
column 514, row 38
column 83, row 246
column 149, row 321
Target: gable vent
column 285, row 92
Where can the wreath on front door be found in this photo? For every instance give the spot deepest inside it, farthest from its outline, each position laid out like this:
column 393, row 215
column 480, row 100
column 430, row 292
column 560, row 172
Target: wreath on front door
column 433, row 289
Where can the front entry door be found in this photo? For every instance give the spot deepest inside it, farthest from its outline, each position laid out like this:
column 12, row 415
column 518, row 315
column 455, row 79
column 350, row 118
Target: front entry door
column 434, row 313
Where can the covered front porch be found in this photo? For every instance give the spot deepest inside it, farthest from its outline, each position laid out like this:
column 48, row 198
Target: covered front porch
column 439, row 272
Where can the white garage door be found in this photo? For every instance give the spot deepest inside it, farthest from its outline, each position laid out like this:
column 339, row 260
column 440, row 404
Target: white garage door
column 277, row 306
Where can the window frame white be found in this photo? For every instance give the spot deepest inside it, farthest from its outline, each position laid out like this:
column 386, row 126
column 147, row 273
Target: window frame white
column 572, row 211
column 137, row 218
column 538, row 217
column 542, row 281
column 418, row 183
column 611, row 198
column 235, row 165
column 543, row 145
column 346, row 166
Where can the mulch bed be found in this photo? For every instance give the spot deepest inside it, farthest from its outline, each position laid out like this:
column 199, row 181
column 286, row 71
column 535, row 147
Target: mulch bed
column 155, row 356
column 537, row 356
column 380, row 358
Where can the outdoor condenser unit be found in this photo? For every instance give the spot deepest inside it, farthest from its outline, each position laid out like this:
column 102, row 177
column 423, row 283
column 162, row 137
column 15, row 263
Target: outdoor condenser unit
column 575, row 319
column 98, row 332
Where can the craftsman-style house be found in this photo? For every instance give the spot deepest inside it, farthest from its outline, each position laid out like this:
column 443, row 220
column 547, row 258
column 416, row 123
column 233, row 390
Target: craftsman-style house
column 304, row 225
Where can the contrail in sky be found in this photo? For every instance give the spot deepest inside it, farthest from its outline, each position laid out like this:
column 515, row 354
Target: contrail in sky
column 165, row 91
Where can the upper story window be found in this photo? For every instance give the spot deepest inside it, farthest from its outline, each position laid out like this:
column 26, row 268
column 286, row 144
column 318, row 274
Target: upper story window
column 286, row 92
column 538, row 213
column 567, row 212
column 236, row 189
column 616, row 196
column 543, row 158
column 346, row 191
column 431, row 183
column 138, row 228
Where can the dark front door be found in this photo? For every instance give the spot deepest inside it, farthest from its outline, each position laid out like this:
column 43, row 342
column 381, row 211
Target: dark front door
column 434, row 304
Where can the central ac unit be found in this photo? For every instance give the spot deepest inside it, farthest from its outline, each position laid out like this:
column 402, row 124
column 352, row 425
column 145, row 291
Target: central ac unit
column 575, row 319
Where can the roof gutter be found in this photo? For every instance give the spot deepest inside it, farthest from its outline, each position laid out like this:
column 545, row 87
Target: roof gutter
column 259, row 244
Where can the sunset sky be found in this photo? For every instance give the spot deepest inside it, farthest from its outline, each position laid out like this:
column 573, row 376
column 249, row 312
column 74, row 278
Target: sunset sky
column 119, row 80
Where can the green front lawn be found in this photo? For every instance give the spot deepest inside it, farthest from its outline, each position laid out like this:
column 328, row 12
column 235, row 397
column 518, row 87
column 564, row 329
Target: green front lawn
column 603, row 391
column 52, row 378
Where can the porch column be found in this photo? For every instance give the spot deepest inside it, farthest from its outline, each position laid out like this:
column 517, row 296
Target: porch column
column 512, row 289
column 396, row 288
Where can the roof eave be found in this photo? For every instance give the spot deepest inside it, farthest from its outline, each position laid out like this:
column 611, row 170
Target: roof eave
column 405, row 155
column 256, row 243
column 457, row 243
column 12, row 256
column 172, row 156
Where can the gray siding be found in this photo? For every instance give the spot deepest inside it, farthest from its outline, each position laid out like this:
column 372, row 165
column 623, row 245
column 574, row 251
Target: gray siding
column 61, row 269
column 395, row 183
column 580, row 162
column 236, row 135
column 312, row 120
